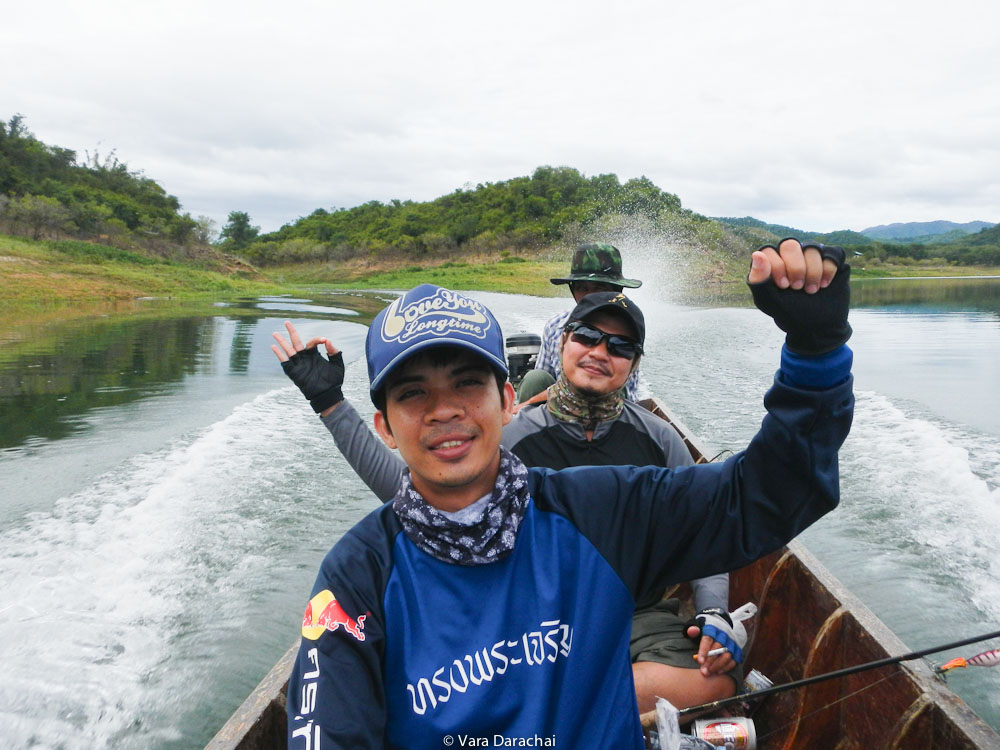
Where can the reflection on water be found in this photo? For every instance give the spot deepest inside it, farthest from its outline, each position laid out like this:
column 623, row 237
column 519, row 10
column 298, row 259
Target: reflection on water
column 51, row 374
column 301, row 306
column 113, row 363
column 958, row 293
column 239, row 352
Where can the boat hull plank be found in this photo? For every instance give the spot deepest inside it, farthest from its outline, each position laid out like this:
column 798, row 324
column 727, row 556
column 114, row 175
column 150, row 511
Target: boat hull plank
column 809, row 624
column 260, row 723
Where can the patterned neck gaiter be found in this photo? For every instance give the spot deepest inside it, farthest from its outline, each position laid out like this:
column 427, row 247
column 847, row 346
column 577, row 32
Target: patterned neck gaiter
column 488, row 540
column 569, row 405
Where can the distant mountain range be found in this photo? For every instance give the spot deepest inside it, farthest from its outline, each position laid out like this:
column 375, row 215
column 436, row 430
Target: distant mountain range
column 913, row 230
column 756, row 230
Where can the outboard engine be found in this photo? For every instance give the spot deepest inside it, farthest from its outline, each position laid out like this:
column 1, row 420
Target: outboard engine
column 522, row 353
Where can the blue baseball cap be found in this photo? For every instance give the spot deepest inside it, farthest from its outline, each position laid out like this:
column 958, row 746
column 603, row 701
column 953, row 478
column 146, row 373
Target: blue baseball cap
column 428, row 316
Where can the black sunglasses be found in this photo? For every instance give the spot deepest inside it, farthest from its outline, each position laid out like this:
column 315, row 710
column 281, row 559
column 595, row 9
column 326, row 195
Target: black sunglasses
column 618, row 346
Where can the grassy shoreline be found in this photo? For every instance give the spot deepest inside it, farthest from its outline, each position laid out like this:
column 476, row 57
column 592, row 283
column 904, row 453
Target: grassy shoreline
column 39, row 278
column 39, row 274
column 514, row 274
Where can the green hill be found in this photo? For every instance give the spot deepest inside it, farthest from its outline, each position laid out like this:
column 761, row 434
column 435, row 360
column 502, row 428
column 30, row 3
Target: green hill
column 47, row 192
column 979, row 249
column 985, row 237
column 555, row 206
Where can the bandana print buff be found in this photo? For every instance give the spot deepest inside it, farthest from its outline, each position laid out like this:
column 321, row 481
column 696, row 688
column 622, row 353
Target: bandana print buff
column 486, row 541
column 569, row 405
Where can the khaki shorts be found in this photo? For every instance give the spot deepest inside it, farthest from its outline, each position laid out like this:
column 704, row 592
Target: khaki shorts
column 658, row 636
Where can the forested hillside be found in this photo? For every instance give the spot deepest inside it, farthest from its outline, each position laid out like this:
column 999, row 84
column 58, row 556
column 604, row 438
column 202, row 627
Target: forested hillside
column 554, row 205
column 985, row 237
column 47, row 192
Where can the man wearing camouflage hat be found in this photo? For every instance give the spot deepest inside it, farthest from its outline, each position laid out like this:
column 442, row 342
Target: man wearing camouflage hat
column 596, row 267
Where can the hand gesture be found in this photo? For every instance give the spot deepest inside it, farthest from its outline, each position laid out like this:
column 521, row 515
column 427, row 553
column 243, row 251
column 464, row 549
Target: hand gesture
column 805, row 289
column 319, row 379
column 722, row 632
column 718, row 664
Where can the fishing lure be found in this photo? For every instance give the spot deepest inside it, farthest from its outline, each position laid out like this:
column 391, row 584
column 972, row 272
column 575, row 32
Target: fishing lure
column 986, row 659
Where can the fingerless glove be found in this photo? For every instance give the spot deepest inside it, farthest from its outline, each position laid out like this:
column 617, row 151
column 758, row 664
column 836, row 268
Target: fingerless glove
column 319, row 379
column 813, row 323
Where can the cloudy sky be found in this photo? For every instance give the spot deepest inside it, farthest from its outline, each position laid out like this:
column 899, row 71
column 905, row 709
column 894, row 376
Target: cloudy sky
column 817, row 115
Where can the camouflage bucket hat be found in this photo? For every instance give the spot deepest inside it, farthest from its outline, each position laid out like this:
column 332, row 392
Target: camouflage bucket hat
column 597, row 261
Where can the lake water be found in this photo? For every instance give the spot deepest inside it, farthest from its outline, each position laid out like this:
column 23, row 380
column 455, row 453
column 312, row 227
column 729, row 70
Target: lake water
column 167, row 495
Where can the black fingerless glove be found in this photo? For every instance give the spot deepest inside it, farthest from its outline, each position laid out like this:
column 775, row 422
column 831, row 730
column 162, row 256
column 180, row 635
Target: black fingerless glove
column 319, row 379
column 813, row 323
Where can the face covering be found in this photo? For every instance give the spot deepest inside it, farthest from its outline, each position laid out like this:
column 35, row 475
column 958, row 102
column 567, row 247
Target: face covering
column 566, row 403
column 489, row 539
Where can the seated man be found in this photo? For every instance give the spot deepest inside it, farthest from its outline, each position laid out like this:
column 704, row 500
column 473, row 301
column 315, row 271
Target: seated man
column 596, row 267
column 489, row 599
column 586, row 421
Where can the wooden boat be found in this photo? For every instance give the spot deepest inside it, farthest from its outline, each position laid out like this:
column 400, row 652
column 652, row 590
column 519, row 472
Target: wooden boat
column 807, row 624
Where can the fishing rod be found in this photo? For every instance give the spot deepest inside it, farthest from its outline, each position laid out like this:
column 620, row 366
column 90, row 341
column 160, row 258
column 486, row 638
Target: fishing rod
column 839, row 673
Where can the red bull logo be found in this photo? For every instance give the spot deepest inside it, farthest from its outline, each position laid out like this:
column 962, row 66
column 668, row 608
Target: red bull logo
column 323, row 613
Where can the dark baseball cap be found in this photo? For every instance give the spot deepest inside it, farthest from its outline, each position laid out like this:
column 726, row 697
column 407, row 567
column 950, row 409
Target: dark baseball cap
column 597, row 261
column 429, row 316
column 614, row 302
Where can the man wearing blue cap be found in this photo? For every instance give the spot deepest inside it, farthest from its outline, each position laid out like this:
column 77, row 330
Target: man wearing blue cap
column 587, row 422
column 489, row 604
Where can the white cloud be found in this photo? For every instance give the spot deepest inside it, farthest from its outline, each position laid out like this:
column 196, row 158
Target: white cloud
column 819, row 116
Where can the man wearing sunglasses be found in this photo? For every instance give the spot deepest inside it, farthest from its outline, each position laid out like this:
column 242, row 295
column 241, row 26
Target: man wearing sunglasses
column 587, row 421
column 596, row 267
